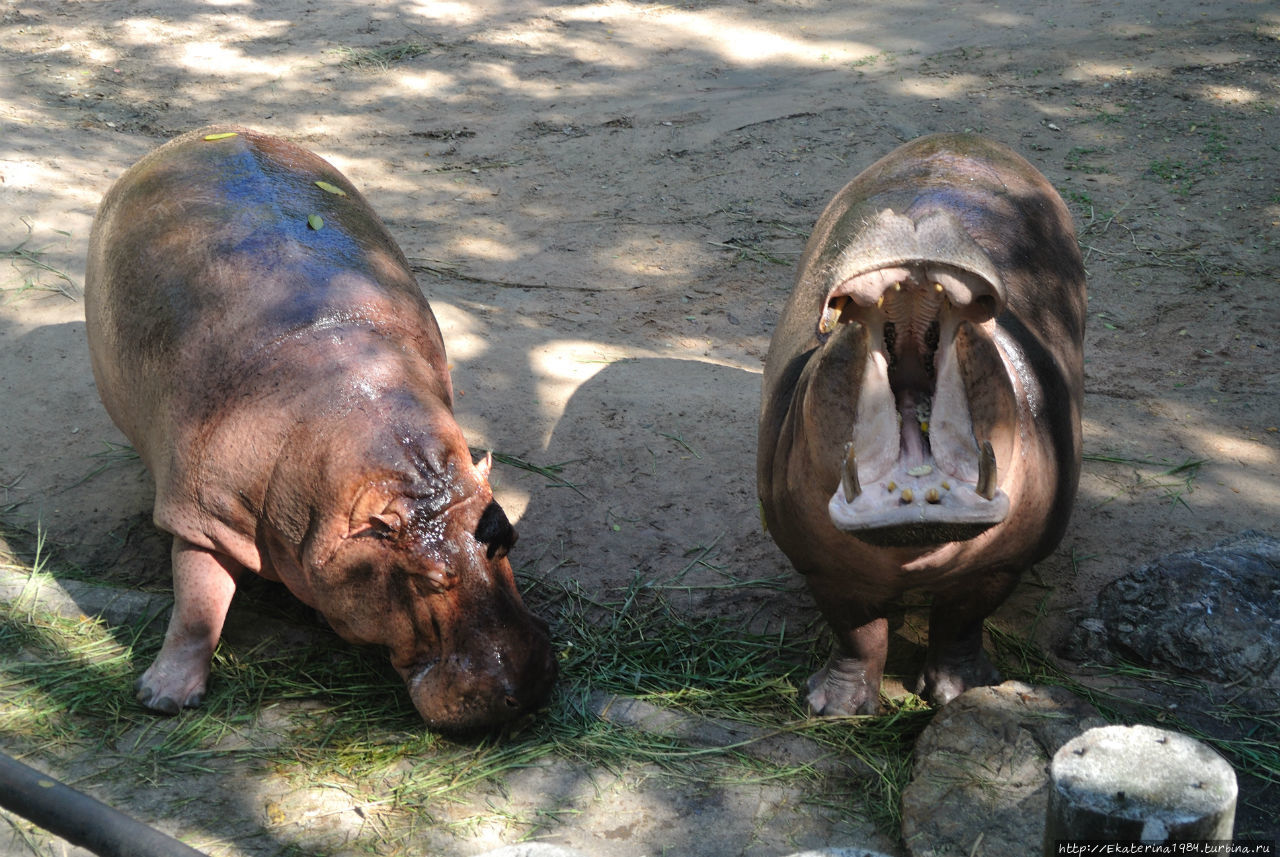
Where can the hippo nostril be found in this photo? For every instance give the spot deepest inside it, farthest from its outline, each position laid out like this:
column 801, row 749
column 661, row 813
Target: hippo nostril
column 511, row 702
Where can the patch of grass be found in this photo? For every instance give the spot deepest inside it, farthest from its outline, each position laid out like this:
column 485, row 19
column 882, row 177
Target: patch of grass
column 1077, row 160
column 1180, row 174
column 1215, row 146
column 748, row 250
column 33, row 270
column 1174, row 479
column 380, row 58
column 1111, row 118
column 1081, row 199
column 111, row 455
column 337, row 715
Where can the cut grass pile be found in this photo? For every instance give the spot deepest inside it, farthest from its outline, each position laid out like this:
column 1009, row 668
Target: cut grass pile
column 338, row 714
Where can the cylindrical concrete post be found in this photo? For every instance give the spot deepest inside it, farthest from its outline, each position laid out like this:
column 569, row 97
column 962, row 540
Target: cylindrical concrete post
column 1137, row 783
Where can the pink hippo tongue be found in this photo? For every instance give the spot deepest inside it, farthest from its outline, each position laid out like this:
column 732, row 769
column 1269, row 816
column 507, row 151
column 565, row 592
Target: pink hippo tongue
column 933, row 380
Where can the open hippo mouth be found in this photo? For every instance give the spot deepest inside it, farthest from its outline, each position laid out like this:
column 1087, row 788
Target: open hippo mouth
column 915, row 301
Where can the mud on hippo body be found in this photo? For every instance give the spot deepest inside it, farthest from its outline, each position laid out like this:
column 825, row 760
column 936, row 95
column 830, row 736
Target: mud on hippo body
column 287, row 387
column 920, row 423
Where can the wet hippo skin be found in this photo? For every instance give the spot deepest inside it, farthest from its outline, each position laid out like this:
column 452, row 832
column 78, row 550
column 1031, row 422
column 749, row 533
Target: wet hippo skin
column 920, row 423
column 257, row 334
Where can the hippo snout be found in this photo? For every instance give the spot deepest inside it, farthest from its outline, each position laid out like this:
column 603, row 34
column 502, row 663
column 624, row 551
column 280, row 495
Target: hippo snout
column 464, row 692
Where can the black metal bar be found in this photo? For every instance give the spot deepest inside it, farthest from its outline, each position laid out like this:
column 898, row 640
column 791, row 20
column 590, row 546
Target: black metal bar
column 80, row 819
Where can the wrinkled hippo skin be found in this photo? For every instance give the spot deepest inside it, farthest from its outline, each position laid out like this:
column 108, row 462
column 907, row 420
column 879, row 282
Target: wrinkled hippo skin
column 920, row 424
column 287, row 388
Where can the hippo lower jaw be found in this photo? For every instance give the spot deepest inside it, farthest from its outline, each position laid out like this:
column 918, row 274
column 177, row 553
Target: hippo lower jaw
column 932, row 381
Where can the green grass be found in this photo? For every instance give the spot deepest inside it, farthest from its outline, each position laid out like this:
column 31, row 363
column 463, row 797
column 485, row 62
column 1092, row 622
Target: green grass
column 550, row 472
column 751, row 250
column 335, row 715
column 1175, row 480
column 1078, row 160
column 34, row 272
column 110, row 456
column 379, row 58
column 340, row 715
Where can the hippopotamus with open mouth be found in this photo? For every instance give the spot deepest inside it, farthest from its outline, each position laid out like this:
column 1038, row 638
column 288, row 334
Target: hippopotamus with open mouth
column 920, row 425
column 258, row 336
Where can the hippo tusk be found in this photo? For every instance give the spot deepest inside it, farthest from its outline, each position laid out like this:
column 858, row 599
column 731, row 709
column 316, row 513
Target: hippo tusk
column 849, row 474
column 986, row 485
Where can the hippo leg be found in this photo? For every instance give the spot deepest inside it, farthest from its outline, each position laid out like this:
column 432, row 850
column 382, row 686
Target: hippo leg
column 203, row 584
column 955, row 660
column 850, row 682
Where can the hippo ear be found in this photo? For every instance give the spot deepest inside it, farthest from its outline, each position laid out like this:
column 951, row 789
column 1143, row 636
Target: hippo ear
column 495, row 531
column 485, row 464
column 376, row 512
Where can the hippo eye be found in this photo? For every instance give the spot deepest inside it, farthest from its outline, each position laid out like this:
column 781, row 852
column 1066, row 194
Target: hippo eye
column 495, row 531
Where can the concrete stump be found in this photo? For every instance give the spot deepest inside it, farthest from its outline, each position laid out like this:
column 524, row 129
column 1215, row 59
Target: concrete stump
column 1137, row 783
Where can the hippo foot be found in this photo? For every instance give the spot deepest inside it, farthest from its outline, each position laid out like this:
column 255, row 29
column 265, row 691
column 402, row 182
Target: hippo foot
column 167, row 688
column 941, row 682
column 843, row 687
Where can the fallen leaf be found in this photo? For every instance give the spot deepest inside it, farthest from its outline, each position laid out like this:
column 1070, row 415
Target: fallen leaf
column 331, row 188
column 315, row 221
column 224, row 135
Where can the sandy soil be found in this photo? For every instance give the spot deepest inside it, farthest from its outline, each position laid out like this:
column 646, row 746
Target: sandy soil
column 604, row 202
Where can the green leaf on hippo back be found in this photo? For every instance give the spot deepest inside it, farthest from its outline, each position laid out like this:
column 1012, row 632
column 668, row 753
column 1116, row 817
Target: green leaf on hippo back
column 315, row 221
column 331, row 188
column 209, row 138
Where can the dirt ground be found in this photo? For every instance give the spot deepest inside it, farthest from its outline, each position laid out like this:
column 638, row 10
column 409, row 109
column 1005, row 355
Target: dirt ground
column 604, row 202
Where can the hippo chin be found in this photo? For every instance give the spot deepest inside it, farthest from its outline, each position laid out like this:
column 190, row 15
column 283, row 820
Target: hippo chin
column 920, row 424
column 257, row 334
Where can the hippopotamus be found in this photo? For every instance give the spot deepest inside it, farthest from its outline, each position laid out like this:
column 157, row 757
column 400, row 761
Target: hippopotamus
column 258, row 336
column 920, row 422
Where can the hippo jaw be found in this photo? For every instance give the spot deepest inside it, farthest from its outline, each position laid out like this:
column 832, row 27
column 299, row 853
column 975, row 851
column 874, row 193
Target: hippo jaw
column 915, row 301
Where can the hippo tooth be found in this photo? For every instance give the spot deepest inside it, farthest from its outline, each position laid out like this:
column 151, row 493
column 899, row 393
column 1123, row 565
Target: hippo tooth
column 896, row 307
column 833, row 314
column 986, row 486
column 933, row 496
column 925, row 311
column 908, row 495
column 849, row 476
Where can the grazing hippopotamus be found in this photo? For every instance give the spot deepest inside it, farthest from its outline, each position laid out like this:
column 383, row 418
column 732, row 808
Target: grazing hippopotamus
column 920, row 426
column 257, row 334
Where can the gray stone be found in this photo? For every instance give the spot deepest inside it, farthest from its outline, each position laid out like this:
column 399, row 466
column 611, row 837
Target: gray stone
column 982, row 769
column 1212, row 614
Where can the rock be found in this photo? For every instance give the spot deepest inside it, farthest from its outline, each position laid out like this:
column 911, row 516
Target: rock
column 982, row 769
column 1212, row 614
